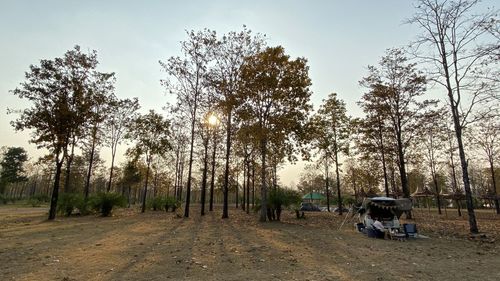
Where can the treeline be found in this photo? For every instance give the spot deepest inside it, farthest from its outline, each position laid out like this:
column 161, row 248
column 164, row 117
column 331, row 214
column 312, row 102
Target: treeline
column 243, row 110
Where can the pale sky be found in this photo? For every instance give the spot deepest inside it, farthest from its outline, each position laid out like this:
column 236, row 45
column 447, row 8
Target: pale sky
column 339, row 39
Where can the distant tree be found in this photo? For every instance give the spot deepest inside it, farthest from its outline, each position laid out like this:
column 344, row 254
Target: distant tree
column 332, row 137
column 310, row 180
column 460, row 46
column 131, row 176
column 120, row 115
column 275, row 96
column 151, row 133
column 12, row 170
column 187, row 79
column 432, row 136
column 487, row 137
column 59, row 90
column 395, row 89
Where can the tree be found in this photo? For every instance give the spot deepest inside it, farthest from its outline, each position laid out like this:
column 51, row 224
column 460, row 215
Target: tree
column 120, row 117
column 458, row 44
column 275, row 96
column 487, row 137
column 187, row 79
column 395, row 89
column 12, row 170
column 332, row 137
column 229, row 53
column 433, row 134
column 58, row 90
column 374, row 135
column 151, row 133
column 100, row 99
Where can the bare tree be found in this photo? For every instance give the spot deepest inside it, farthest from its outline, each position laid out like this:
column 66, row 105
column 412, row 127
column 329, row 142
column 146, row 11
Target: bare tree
column 121, row 114
column 186, row 79
column 487, row 137
column 458, row 46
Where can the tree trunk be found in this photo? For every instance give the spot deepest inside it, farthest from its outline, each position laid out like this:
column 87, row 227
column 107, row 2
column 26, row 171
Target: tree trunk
column 190, row 168
column 253, row 185
column 382, row 152
column 326, row 183
column 243, row 201
column 176, row 179
column 402, row 170
column 436, row 188
column 248, row 187
column 89, row 170
column 204, row 178
column 111, row 169
column 494, row 183
column 212, row 179
column 148, row 159
column 67, row 187
column 335, row 151
column 465, row 175
column 181, row 179
column 225, row 214
column 55, row 191
column 339, row 197
column 263, row 187
column 237, row 189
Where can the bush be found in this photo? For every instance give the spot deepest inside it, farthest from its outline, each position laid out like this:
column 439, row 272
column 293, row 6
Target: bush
column 171, row 203
column 38, row 200
column 3, row 199
column 157, row 203
column 105, row 202
column 163, row 203
column 67, row 202
column 282, row 198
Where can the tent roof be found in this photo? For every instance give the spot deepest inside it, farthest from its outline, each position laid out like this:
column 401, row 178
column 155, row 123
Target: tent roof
column 313, row 196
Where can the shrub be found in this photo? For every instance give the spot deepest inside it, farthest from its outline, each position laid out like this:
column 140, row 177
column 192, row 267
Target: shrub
column 163, row 203
column 171, row 203
column 38, row 200
column 282, row 198
column 157, row 203
column 3, row 199
column 67, row 202
column 105, row 202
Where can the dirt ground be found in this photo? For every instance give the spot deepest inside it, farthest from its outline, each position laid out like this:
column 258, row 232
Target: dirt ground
column 164, row 246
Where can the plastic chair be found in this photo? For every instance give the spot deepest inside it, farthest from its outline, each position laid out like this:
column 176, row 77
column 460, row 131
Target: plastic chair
column 410, row 230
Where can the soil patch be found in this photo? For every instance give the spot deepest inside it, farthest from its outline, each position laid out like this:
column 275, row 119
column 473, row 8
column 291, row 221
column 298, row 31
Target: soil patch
column 166, row 246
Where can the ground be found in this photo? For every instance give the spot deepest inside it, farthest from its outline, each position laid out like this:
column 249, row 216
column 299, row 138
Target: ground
column 166, row 246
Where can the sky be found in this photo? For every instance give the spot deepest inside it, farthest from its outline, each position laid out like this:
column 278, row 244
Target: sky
column 339, row 39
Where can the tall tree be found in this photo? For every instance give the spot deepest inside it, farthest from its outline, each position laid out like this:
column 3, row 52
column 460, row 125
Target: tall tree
column 396, row 87
column 373, row 138
column 58, row 90
column 100, row 98
column 118, row 120
column 332, row 137
column 458, row 45
column 187, row 79
column 151, row 133
column 12, row 170
column 229, row 55
column 275, row 97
